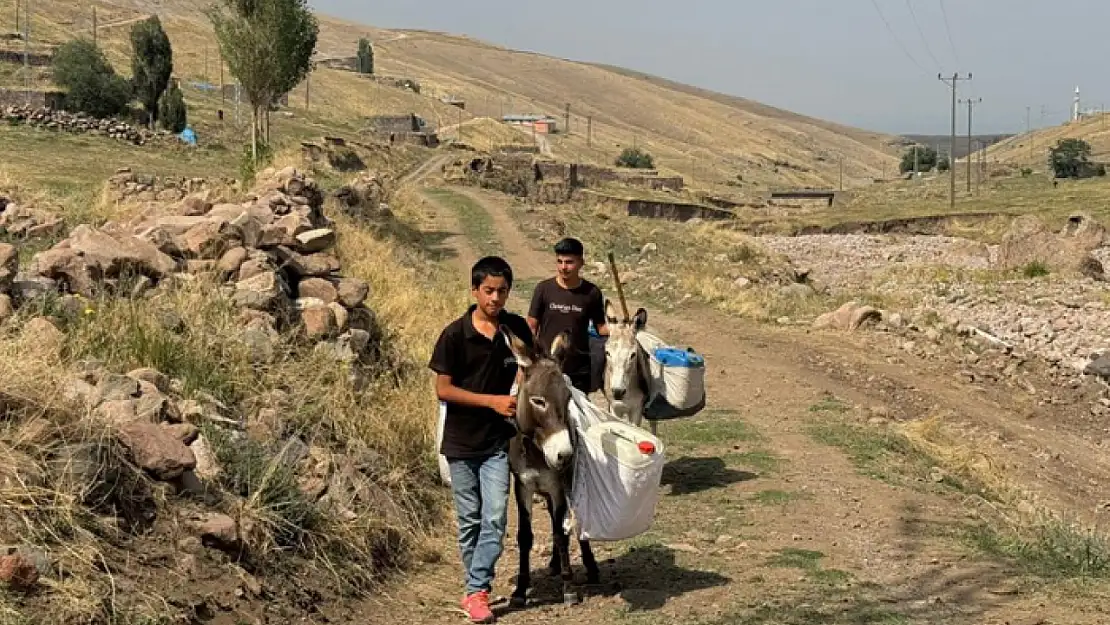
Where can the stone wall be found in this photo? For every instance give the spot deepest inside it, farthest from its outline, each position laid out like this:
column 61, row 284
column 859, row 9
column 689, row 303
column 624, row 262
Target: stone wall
column 76, row 123
column 38, row 99
column 127, row 185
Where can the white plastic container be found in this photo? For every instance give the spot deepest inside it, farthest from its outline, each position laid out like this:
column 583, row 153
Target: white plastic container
column 677, row 379
column 618, row 470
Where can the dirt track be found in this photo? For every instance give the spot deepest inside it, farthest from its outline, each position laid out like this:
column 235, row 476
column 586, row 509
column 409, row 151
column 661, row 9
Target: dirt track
column 782, row 506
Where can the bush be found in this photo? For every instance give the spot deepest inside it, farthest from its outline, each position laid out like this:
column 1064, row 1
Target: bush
column 92, row 85
column 1071, row 159
column 943, row 164
column 173, row 114
column 926, row 159
column 365, row 57
column 635, row 158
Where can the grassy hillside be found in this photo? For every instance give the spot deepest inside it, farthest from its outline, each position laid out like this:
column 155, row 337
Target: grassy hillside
column 712, row 138
column 1032, row 148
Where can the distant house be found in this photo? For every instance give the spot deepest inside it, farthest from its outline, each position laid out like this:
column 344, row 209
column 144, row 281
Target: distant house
column 543, row 124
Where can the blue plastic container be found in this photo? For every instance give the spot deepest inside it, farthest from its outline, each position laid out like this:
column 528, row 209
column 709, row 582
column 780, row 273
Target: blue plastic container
column 675, row 357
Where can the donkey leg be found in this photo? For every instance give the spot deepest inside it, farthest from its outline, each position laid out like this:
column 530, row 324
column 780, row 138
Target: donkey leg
column 554, row 566
column 524, row 539
column 654, row 427
column 593, row 573
column 562, row 547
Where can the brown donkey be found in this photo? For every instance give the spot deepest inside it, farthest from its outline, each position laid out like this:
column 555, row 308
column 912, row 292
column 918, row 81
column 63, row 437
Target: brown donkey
column 541, row 457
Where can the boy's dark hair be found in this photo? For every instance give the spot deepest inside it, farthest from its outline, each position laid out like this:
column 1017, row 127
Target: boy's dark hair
column 570, row 247
column 490, row 266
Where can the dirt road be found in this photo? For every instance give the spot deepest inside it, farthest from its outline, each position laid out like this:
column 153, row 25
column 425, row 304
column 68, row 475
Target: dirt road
column 786, row 501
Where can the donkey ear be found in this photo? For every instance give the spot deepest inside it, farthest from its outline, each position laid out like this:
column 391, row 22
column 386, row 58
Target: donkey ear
column 640, row 319
column 610, row 312
column 559, row 346
column 520, row 350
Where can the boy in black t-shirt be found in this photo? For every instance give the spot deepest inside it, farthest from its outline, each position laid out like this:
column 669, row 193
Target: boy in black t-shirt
column 569, row 302
column 475, row 372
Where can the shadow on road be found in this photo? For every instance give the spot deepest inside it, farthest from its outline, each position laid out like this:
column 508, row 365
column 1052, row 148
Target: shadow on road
column 690, row 475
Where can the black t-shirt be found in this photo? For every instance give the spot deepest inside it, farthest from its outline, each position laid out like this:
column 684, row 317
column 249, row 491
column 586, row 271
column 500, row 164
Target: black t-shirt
column 479, row 365
column 558, row 309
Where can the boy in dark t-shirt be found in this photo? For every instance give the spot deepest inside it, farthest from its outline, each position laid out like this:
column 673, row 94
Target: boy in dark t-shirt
column 569, row 302
column 475, row 372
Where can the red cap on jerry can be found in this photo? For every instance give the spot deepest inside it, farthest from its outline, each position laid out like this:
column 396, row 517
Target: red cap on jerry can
column 647, row 447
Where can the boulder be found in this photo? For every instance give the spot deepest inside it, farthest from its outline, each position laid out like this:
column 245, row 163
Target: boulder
column 44, row 335
column 313, row 241
column 117, row 412
column 147, row 374
column 157, row 450
column 342, row 316
column 231, row 261
column 219, row 531
column 261, row 292
column 112, row 387
column 849, row 317
column 185, row 432
column 313, row 265
column 207, row 467
column 193, row 205
column 318, row 288
column 255, row 265
column 209, row 240
column 319, row 322
column 18, row 572
column 352, row 292
column 6, row 307
column 116, row 256
column 9, row 266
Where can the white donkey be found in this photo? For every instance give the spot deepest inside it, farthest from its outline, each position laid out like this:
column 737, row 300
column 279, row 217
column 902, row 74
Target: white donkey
column 626, row 368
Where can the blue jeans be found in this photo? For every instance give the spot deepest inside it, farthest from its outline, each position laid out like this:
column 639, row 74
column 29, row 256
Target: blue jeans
column 481, row 490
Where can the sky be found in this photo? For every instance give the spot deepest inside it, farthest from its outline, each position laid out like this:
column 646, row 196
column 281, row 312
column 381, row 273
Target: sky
column 868, row 63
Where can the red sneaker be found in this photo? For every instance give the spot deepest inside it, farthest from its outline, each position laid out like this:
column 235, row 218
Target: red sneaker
column 477, row 609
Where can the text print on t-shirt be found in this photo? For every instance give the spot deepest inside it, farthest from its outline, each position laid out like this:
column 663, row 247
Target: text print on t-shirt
column 565, row 308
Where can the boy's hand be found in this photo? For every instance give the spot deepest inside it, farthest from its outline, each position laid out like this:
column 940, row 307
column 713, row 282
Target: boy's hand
column 504, row 405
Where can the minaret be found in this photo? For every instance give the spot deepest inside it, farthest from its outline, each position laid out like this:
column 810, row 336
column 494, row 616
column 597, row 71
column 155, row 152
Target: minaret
column 1075, row 107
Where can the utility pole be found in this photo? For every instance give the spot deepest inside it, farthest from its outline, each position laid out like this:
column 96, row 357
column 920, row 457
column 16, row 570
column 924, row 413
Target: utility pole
column 17, row 22
column 970, row 103
column 566, row 124
column 27, row 53
column 589, row 131
column 915, row 162
column 307, row 88
column 206, row 64
column 841, row 172
column 94, row 26
column 952, row 82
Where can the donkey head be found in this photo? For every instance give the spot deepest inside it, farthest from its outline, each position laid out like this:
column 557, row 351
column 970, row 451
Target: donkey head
column 543, row 398
column 622, row 351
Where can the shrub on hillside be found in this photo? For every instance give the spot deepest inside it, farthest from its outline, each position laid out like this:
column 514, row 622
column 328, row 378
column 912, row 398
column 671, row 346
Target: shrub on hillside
column 92, row 85
column 1071, row 159
column 943, row 164
column 635, row 158
column 925, row 156
column 173, row 113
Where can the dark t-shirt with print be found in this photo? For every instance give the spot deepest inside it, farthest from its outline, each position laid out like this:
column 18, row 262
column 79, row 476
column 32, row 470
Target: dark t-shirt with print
column 479, row 365
column 558, row 309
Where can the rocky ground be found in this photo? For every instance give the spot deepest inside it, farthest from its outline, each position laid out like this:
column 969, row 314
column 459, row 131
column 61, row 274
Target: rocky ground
column 1060, row 317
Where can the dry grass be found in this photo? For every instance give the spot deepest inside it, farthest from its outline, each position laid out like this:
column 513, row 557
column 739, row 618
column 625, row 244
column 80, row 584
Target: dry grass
column 384, row 428
column 705, row 136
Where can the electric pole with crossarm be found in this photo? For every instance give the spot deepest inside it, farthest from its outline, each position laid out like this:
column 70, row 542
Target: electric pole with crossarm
column 952, row 82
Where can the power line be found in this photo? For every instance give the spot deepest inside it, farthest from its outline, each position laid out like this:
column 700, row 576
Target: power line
column 948, row 30
column 921, row 32
column 896, row 39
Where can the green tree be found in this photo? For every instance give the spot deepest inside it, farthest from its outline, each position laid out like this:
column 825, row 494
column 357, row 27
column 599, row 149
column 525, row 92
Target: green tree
column 174, row 114
column 92, row 85
column 151, row 63
column 268, row 46
column 926, row 158
column 365, row 56
column 636, row 159
column 943, row 164
column 1071, row 158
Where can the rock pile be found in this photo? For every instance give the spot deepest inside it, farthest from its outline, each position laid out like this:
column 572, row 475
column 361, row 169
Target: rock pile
column 272, row 252
column 362, row 199
column 127, row 185
column 25, row 222
column 79, row 123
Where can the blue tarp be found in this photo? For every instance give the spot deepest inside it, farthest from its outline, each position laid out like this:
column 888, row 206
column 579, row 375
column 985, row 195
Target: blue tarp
column 188, row 136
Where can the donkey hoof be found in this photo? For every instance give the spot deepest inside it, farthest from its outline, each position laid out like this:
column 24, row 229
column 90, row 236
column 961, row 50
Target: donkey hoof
column 518, row 601
column 571, row 598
